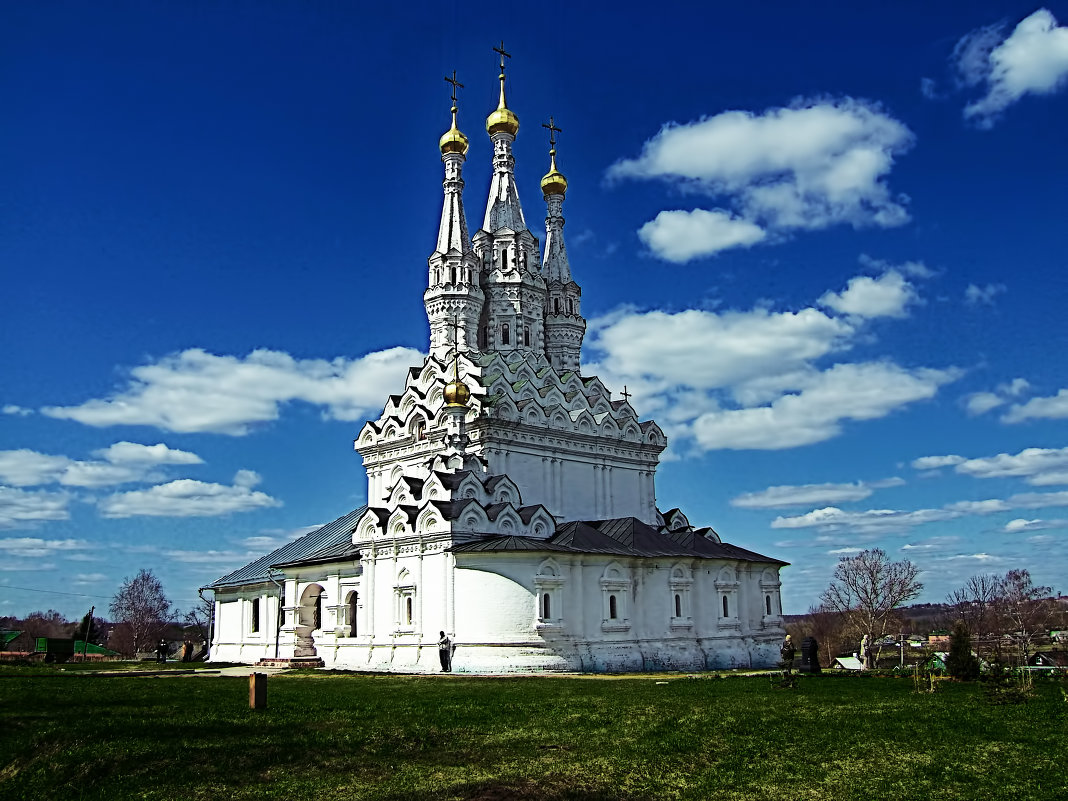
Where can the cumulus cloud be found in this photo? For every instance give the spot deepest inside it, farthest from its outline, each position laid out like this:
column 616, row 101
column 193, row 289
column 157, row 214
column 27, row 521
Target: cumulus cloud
column 756, row 378
column 1032, row 60
column 680, row 236
column 35, row 548
column 188, row 498
column 1051, row 408
column 811, row 165
column 862, row 391
column 887, row 295
column 987, row 507
column 18, row 411
column 806, row 494
column 1037, row 466
column 1021, row 525
column 982, row 295
column 871, row 521
column 935, row 462
column 196, row 391
column 25, row 509
column 121, row 463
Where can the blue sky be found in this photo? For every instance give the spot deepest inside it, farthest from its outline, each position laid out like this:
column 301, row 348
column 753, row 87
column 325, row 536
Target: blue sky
column 822, row 246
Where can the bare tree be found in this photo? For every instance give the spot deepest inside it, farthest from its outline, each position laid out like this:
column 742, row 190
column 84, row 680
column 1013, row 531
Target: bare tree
column 866, row 589
column 142, row 608
column 976, row 604
column 1026, row 610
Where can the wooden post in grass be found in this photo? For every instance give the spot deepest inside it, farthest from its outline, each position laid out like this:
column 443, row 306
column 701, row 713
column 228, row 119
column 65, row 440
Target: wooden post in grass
column 257, row 690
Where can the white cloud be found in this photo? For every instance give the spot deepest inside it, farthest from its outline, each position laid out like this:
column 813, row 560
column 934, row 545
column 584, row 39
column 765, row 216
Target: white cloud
column 987, row 507
column 134, row 453
column 186, row 498
column 1020, row 524
column 751, row 379
column 887, row 295
column 24, row 509
column 680, row 236
column 814, row 164
column 862, row 391
column 19, row 411
column 223, row 558
column 1037, row 466
column 1032, row 60
column 929, row 88
column 124, row 462
column 35, row 548
column 982, row 402
column 1038, row 500
column 705, row 349
column 982, row 295
column 802, row 495
column 935, row 462
column 1052, row 408
column 872, row 521
column 90, row 578
column 196, row 391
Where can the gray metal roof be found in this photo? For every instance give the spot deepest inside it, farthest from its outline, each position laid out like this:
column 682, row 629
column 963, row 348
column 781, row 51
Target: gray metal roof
column 327, row 541
column 625, row 536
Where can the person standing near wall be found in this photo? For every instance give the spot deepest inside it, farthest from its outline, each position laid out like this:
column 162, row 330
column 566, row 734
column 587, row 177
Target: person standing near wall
column 445, row 653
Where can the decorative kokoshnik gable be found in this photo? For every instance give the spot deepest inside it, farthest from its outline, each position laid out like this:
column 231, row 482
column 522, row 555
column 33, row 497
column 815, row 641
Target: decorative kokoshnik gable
column 511, row 500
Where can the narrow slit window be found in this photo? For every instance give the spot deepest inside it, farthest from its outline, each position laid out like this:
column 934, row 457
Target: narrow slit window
column 613, row 610
column 725, row 612
column 678, row 605
column 504, row 334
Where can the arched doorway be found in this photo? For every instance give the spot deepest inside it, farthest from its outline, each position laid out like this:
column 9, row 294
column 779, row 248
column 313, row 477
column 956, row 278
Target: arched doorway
column 309, row 620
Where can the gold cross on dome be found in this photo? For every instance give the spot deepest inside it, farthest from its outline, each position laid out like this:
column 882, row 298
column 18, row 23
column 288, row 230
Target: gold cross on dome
column 455, row 85
column 553, row 131
column 502, row 52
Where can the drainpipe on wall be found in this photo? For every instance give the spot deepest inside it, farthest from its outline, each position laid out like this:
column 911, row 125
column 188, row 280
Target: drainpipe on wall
column 279, row 615
column 211, row 617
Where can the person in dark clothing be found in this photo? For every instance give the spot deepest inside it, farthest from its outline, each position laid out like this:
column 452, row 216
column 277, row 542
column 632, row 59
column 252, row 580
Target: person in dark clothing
column 445, row 653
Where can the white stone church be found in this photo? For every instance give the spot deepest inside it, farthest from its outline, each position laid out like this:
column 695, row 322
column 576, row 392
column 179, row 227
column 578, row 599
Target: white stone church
column 511, row 501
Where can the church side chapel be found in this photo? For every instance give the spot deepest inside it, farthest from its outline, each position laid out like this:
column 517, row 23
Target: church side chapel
column 511, row 499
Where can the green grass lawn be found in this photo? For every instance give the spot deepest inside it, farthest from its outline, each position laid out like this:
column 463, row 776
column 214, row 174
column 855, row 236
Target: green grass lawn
column 336, row 736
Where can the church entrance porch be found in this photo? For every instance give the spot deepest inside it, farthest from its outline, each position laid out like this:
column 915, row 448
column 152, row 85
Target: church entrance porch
column 309, row 620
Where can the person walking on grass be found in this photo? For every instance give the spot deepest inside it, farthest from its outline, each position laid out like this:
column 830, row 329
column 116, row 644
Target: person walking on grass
column 787, row 653
column 445, row 653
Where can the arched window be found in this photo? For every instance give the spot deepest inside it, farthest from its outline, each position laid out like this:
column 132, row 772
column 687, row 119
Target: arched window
column 408, row 610
column 767, row 603
column 353, row 599
column 504, row 334
column 504, row 259
column 725, row 613
column 526, row 335
column 317, row 613
column 570, row 306
column 452, row 275
column 556, row 305
column 613, row 611
column 678, row 605
column 546, row 607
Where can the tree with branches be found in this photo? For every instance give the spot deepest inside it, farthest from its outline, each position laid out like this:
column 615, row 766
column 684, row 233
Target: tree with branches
column 976, row 604
column 1026, row 610
column 866, row 589
column 141, row 607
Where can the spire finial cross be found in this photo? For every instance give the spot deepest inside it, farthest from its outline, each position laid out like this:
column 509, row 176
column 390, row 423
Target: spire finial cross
column 455, row 85
column 553, row 131
column 625, row 394
column 503, row 54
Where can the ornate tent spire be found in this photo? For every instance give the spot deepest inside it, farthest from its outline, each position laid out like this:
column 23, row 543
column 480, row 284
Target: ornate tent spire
column 502, row 208
column 564, row 325
column 453, row 282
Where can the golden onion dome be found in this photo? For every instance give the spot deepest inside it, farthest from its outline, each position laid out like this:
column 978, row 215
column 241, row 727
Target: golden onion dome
column 554, row 182
column 503, row 119
column 456, row 393
column 453, row 140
